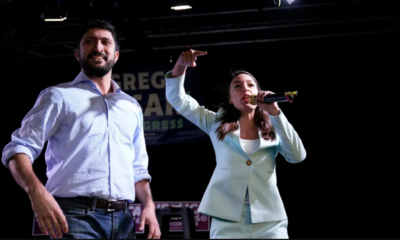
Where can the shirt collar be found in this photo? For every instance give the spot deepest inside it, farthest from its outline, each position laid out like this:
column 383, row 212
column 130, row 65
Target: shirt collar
column 81, row 77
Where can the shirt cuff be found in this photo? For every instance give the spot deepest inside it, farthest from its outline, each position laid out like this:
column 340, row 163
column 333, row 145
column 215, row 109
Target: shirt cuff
column 15, row 150
column 142, row 177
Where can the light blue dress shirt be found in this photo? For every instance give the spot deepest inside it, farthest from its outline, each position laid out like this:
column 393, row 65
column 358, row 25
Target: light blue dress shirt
column 96, row 144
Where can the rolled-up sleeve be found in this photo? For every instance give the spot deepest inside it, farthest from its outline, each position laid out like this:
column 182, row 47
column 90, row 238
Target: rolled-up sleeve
column 38, row 125
column 141, row 161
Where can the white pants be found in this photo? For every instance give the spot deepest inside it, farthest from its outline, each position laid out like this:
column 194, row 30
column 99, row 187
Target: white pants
column 245, row 229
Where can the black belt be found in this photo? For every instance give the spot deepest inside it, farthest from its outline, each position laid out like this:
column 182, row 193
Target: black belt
column 101, row 203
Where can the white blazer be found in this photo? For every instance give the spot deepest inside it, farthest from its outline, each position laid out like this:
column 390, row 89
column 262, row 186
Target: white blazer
column 225, row 194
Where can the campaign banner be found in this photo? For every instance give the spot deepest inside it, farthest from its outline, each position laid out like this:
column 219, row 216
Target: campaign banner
column 162, row 124
column 202, row 221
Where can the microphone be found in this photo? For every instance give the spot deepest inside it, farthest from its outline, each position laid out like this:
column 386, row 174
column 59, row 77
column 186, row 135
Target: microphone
column 277, row 97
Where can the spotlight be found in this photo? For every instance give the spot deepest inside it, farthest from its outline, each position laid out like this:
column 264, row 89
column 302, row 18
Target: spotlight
column 59, row 19
column 54, row 11
column 279, row 2
column 180, row 6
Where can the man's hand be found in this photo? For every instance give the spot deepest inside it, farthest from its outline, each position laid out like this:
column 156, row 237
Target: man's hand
column 48, row 213
column 148, row 217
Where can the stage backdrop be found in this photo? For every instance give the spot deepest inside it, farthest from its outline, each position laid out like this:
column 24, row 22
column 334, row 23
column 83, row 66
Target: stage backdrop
column 162, row 124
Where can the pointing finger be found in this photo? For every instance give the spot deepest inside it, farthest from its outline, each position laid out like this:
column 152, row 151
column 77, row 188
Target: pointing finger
column 200, row 53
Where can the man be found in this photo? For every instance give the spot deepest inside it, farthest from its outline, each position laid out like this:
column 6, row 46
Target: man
column 96, row 155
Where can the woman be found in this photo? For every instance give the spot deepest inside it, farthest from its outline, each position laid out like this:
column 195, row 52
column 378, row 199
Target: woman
column 242, row 196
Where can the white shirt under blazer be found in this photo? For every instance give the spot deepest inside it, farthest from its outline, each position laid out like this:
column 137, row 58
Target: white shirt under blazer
column 236, row 171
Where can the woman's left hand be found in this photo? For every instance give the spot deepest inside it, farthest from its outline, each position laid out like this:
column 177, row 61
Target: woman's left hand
column 271, row 108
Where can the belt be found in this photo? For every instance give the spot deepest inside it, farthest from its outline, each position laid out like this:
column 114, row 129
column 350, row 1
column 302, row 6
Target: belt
column 102, row 203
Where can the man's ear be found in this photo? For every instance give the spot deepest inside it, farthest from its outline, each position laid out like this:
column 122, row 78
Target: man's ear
column 76, row 54
column 116, row 56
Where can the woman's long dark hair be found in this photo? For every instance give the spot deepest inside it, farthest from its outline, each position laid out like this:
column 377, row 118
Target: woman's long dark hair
column 231, row 115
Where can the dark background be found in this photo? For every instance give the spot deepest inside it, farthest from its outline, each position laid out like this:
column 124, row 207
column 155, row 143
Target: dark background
column 342, row 57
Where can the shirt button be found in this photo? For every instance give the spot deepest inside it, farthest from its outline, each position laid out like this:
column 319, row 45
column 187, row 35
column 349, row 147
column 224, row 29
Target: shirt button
column 112, row 139
column 248, row 162
column 112, row 161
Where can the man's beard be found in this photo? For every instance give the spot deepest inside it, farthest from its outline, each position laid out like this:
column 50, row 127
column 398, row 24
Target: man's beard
column 92, row 71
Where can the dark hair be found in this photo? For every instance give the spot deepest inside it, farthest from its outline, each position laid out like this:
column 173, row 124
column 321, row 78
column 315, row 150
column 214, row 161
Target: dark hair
column 231, row 115
column 97, row 23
